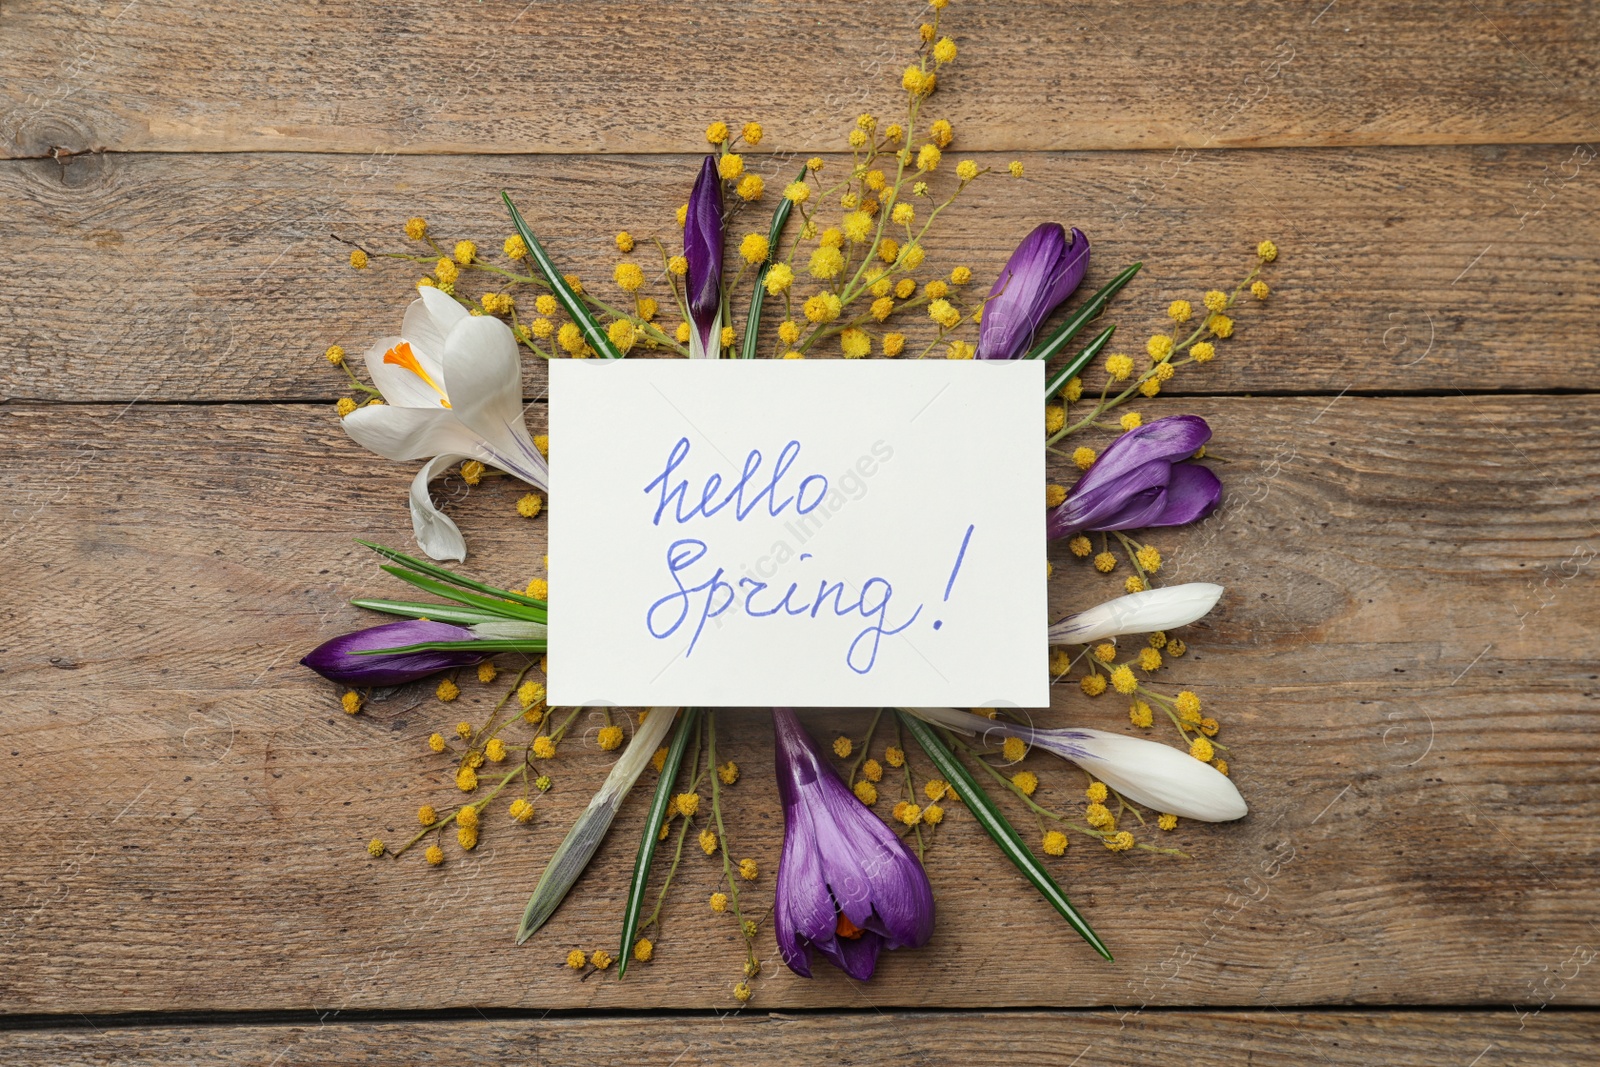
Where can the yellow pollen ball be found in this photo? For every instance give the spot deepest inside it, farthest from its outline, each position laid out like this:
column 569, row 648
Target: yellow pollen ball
column 1167, row 821
column 543, row 747
column 1149, row 558
column 1105, row 653
column 1140, row 714
column 1131, row 421
column 748, row 870
column 609, row 738
column 753, row 247
column 872, row 770
column 730, row 166
column 521, row 810
column 1099, row 816
column 1055, row 843
column 628, row 276
column 495, row 750
column 726, row 336
column 1149, row 659
column 752, row 133
column 933, row 815
column 1202, row 750
column 1096, row 792
column 334, row 355
column 866, row 792
column 894, row 757
column 1159, row 346
column 351, row 702
column 345, row 406
column 1015, row 168
column 1259, row 290
column 529, row 505
column 1221, row 325
column 717, row 132
column 708, row 841
column 1055, row 495
column 1026, row 781
column 945, row 50
column 1083, row 457
column 1180, row 311
column 686, row 804
column 893, row 344
column 1119, row 366
column 1203, row 352
column 375, row 848
column 1013, row 749
column 751, row 187
column 1105, row 563
column 842, row 747
column 855, row 343
column 1055, row 417
column 1267, row 251
column 643, row 949
column 1080, row 546
column 434, row 855
column 436, row 742
column 1123, row 681
column 447, row 691
column 468, row 817
column 1120, row 841
column 1093, row 684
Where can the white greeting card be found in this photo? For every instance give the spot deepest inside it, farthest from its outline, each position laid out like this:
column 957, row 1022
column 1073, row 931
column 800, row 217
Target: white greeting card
column 819, row 533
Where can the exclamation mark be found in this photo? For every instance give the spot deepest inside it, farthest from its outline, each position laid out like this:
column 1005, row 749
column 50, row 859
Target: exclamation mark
column 961, row 555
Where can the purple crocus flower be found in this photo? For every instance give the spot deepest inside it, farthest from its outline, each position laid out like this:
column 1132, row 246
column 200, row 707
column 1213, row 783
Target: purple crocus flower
column 336, row 661
column 847, row 886
column 1139, row 481
column 1041, row 273
column 702, row 247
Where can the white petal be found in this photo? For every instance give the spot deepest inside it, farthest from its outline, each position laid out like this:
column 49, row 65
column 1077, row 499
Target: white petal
column 437, row 535
column 443, row 313
column 1138, row 613
column 400, row 387
column 697, row 349
column 483, row 376
column 403, row 434
column 1160, row 777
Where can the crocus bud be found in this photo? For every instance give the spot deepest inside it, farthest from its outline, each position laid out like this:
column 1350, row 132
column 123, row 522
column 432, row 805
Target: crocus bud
column 702, row 247
column 847, row 885
column 1140, row 481
column 1166, row 608
column 1044, row 270
column 1146, row 772
column 337, row 661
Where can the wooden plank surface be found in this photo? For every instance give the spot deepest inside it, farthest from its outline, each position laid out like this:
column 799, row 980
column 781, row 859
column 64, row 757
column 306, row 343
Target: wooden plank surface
column 1157, row 1039
column 1403, row 662
column 218, row 278
column 513, row 76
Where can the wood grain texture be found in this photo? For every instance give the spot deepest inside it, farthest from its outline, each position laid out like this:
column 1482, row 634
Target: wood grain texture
column 1157, row 1039
column 219, row 278
column 512, row 76
column 1402, row 664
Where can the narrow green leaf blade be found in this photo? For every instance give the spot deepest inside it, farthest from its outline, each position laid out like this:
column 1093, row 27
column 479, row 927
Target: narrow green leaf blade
column 1074, row 366
column 752, row 324
column 444, row 574
column 505, row 609
column 652, row 830
column 486, row 644
column 1074, row 325
column 416, row 609
column 597, row 338
column 997, row 827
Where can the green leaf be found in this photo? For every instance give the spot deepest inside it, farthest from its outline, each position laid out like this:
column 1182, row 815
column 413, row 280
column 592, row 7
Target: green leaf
column 444, row 574
column 416, row 609
column 487, row 644
column 575, row 308
column 995, row 824
column 505, row 609
column 1074, row 366
column 652, row 831
column 752, row 324
column 1081, row 318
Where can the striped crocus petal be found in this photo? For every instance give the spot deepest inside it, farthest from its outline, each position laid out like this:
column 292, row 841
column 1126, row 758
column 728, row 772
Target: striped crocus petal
column 1138, row 613
column 1146, row 772
column 702, row 247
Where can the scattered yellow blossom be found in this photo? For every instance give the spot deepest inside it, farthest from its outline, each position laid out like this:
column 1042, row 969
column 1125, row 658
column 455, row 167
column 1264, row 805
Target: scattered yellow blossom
column 1131, row 421
column 1221, row 325
column 543, row 747
column 1026, row 781
column 530, row 504
column 866, row 792
column 1120, row 841
column 728, row 773
column 1055, row 843
column 375, row 848
column 842, row 747
column 1015, row 168
column 436, row 742
column 447, row 690
column 1093, row 684
column 1202, row 750
column 434, row 855
column 1105, row 563
column 717, row 132
column 1267, row 251
column 1140, row 715
column 1013, row 749
column 1203, row 351
column 748, row 870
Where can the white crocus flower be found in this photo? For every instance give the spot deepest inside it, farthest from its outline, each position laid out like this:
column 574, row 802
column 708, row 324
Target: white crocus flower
column 452, row 390
column 1146, row 772
column 1138, row 613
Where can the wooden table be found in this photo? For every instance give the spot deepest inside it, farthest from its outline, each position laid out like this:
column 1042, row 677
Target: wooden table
column 1405, row 662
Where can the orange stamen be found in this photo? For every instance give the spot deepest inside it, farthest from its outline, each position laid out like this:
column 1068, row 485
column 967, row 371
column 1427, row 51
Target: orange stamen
column 402, row 356
column 848, row 929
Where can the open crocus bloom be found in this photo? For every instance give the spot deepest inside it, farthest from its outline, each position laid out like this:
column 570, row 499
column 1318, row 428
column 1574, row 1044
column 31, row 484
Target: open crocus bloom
column 847, row 886
column 452, row 390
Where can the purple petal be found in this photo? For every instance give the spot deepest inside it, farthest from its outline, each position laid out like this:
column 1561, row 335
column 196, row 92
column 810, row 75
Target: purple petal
column 336, row 661
column 1125, row 489
column 1170, row 439
column 702, row 247
column 1041, row 273
column 1192, row 491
